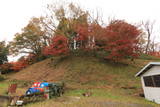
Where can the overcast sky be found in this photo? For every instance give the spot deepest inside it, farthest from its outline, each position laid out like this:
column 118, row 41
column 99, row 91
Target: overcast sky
column 15, row 14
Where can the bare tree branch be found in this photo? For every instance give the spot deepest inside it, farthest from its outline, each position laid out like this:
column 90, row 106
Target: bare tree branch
column 148, row 27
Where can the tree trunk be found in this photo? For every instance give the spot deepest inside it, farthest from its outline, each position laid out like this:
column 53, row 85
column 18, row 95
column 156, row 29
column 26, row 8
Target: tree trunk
column 75, row 47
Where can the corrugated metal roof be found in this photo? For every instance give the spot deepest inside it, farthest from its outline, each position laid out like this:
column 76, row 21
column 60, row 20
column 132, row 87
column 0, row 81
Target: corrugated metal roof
column 147, row 67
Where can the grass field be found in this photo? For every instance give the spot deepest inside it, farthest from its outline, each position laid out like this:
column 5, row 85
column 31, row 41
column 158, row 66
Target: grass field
column 111, row 84
column 100, row 98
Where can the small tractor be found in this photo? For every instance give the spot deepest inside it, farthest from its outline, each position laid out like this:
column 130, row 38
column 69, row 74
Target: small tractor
column 39, row 91
column 54, row 89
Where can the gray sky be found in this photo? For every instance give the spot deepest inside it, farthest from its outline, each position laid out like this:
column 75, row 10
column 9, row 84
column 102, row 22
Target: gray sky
column 15, row 14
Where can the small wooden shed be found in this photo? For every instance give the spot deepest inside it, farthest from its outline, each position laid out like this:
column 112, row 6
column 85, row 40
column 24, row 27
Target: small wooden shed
column 150, row 78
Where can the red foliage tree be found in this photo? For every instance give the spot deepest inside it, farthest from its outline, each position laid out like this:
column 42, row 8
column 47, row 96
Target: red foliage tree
column 98, row 32
column 5, row 68
column 156, row 54
column 59, row 46
column 121, row 40
column 81, row 37
column 87, row 34
column 19, row 65
column 31, row 58
column 82, row 31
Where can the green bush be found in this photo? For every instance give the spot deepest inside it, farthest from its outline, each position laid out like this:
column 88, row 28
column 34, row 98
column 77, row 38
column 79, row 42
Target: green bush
column 2, row 78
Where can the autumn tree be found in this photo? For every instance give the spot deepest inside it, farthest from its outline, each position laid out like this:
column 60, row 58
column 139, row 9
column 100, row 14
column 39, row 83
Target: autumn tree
column 64, row 20
column 148, row 28
column 122, row 39
column 20, row 64
column 68, row 28
column 3, row 52
column 31, row 40
column 59, row 46
column 6, row 68
column 97, row 33
column 142, row 42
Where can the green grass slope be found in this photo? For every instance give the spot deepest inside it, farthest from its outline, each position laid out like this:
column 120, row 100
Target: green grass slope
column 107, row 81
column 83, row 71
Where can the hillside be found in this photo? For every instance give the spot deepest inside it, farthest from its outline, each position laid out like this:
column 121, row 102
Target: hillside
column 83, row 70
column 107, row 80
column 43, row 70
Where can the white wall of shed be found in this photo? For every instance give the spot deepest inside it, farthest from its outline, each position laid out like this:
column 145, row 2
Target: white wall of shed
column 151, row 93
column 155, row 70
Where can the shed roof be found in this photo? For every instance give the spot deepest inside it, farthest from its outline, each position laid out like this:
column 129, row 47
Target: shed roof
column 147, row 67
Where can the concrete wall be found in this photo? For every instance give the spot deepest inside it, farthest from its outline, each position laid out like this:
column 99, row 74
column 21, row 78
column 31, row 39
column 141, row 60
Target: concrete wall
column 151, row 93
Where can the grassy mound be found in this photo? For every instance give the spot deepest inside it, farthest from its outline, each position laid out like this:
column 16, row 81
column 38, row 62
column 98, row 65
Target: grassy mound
column 84, row 71
column 107, row 81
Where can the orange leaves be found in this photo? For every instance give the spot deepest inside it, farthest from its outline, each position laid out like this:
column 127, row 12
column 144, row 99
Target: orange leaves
column 119, row 39
column 59, row 46
column 122, row 40
column 13, row 66
column 19, row 65
column 121, row 29
column 5, row 68
column 22, row 63
column 82, row 31
column 156, row 54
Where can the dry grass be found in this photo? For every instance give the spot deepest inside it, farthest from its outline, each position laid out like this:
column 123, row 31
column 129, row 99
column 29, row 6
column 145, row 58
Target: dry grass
column 105, row 79
column 88, row 102
column 40, row 71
